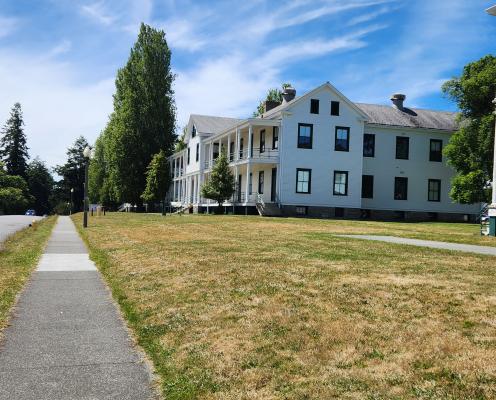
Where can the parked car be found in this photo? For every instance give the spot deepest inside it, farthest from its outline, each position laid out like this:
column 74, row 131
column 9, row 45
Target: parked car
column 30, row 212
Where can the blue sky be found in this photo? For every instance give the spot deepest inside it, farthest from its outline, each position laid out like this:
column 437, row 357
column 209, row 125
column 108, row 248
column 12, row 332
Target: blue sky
column 59, row 57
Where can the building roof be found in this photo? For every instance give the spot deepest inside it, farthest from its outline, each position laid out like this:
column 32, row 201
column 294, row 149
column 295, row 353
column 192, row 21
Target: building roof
column 213, row 125
column 409, row 117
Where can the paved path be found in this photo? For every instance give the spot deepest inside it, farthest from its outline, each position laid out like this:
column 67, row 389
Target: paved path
column 66, row 339
column 10, row 224
column 468, row 248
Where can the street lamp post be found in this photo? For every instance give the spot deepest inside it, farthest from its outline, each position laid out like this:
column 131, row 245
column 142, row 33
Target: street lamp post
column 87, row 153
column 70, row 209
column 492, row 207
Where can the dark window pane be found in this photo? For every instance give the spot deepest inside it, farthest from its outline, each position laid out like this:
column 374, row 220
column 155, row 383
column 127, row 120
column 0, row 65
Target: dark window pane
column 402, row 147
column 335, row 108
column 434, row 190
column 275, row 137
column 305, row 134
column 188, row 155
column 262, row 141
column 367, row 186
column 368, row 145
column 314, row 106
column 261, row 182
column 436, row 150
column 197, row 151
column 400, row 188
column 342, row 139
column 193, row 132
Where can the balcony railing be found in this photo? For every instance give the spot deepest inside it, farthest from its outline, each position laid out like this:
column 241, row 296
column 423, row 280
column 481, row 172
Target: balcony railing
column 178, row 172
column 256, row 154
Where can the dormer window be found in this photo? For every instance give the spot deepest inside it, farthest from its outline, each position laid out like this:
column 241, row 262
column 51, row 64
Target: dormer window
column 335, row 108
column 314, row 106
column 193, row 132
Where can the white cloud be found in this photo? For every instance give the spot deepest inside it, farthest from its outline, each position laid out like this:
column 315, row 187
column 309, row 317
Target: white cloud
column 63, row 47
column 8, row 25
column 56, row 108
column 97, row 12
column 181, row 35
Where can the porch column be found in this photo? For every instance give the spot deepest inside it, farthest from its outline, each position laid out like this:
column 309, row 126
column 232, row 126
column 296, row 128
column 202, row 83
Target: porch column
column 247, row 180
column 238, row 144
column 229, row 147
column 250, row 134
column 211, row 163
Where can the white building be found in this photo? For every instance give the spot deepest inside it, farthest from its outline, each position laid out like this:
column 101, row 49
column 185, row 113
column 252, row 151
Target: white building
column 322, row 155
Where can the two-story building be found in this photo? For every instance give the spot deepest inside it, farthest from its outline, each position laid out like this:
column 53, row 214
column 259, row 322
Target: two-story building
column 322, row 155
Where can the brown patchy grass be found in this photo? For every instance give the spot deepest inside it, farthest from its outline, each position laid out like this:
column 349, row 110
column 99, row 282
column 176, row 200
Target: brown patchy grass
column 19, row 255
column 257, row 308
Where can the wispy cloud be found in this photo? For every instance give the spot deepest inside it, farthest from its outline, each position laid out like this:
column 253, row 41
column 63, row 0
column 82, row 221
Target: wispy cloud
column 367, row 17
column 8, row 25
column 97, row 12
column 61, row 48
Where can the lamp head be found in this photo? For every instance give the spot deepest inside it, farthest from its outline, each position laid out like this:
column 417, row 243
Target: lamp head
column 87, row 152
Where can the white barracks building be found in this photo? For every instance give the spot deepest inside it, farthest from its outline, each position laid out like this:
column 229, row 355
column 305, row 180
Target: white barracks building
column 322, row 155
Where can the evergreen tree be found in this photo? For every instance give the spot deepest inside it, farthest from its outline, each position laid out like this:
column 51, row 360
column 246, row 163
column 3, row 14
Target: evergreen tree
column 14, row 193
column 40, row 183
column 72, row 175
column 143, row 121
column 13, row 148
column 221, row 185
column 470, row 150
column 158, row 179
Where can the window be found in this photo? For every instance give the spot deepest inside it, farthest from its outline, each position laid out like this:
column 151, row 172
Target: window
column 342, row 139
column 197, row 151
column 261, row 182
column 303, row 180
column 262, row 141
column 251, row 146
column 305, row 136
column 314, row 106
column 367, row 186
column 241, row 148
column 250, row 184
column 434, row 190
column 400, row 188
column 335, row 108
column 231, row 151
column 193, row 131
column 369, row 145
column 340, row 183
column 301, row 210
column 436, row 150
column 402, row 147
column 275, row 137
column 188, row 155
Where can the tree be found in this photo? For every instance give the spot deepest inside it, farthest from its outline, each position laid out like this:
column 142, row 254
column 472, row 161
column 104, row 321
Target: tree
column 14, row 193
column 158, row 179
column 13, row 148
column 40, row 183
column 470, row 150
column 220, row 186
column 180, row 143
column 273, row 94
column 72, row 176
column 144, row 117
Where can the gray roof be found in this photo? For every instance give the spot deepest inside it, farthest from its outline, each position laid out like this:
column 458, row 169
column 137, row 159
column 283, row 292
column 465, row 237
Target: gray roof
column 213, row 125
column 409, row 117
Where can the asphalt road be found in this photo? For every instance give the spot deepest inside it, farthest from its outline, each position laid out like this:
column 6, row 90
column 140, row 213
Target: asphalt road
column 12, row 223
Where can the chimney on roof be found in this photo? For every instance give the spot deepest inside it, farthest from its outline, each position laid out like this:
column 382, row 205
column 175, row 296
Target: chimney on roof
column 288, row 94
column 270, row 104
column 398, row 99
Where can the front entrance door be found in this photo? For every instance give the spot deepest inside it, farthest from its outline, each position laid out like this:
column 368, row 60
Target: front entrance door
column 273, row 184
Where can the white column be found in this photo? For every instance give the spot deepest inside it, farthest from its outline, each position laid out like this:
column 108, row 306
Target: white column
column 238, row 143
column 247, row 180
column 211, row 154
column 250, row 134
column 229, row 147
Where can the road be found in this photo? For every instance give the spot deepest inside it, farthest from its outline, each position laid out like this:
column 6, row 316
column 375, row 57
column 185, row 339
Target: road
column 12, row 223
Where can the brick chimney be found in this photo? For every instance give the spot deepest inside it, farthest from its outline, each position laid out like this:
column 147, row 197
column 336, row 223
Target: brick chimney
column 270, row 104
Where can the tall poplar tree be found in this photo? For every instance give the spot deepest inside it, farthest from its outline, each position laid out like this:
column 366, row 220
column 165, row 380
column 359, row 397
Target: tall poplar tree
column 13, row 148
column 144, row 118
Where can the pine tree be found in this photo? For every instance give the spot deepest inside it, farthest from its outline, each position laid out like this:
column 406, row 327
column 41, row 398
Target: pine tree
column 13, row 148
column 40, row 183
column 220, row 186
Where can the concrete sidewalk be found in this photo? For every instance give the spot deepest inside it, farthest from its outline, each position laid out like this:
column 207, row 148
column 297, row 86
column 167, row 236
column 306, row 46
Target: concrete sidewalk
column 66, row 339
column 468, row 248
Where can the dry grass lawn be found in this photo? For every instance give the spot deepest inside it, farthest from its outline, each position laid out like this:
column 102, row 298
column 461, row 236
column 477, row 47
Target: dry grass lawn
column 19, row 255
column 235, row 307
